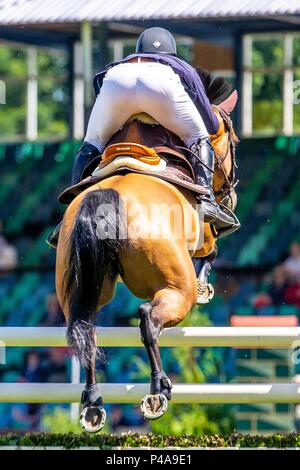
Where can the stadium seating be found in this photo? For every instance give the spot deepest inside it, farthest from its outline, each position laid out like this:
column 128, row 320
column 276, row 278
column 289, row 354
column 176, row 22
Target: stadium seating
column 35, row 173
column 268, row 203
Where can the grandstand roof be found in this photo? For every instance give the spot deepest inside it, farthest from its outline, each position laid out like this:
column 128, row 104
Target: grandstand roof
column 14, row 12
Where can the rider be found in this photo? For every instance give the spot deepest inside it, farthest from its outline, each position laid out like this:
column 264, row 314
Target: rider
column 154, row 80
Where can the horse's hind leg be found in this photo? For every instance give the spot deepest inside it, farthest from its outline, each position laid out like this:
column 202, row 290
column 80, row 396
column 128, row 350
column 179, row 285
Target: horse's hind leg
column 93, row 415
column 168, row 308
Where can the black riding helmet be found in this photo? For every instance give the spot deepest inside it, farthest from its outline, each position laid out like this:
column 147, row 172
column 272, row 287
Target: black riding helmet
column 156, row 40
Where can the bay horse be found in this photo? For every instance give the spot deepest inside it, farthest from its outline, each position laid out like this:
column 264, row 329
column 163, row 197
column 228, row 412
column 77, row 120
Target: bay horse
column 109, row 231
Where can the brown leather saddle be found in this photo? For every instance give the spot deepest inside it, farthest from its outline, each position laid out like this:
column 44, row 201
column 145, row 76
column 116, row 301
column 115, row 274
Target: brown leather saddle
column 164, row 143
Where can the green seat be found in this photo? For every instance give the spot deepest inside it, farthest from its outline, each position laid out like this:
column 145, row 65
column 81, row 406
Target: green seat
column 2, row 151
column 244, row 310
column 36, row 315
column 288, row 310
column 20, row 291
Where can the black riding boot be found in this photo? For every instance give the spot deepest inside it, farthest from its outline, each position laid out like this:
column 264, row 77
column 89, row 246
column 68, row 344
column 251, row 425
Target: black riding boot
column 213, row 214
column 85, row 155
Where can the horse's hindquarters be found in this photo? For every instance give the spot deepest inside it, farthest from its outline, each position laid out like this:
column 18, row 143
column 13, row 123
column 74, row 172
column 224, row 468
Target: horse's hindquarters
column 133, row 226
column 156, row 219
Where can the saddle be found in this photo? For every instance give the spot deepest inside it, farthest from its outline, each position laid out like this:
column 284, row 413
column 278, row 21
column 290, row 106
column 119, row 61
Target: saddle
column 140, row 147
column 144, row 146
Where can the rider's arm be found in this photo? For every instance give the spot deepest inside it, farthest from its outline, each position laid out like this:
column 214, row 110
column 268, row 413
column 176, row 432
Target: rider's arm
column 194, row 87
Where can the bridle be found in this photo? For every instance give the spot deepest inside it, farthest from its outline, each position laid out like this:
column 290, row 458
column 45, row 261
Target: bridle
column 232, row 140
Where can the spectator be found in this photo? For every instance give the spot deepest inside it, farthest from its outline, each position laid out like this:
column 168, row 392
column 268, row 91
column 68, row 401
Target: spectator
column 261, row 300
column 292, row 293
column 57, row 369
column 33, row 370
column 116, row 417
column 8, row 253
column 292, row 263
column 126, row 418
column 53, row 315
column 27, row 416
column 278, row 285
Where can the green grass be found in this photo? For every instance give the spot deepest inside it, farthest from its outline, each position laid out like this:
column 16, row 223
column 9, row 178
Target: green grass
column 107, row 441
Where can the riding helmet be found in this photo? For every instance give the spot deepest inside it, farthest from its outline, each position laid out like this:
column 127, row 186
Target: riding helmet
column 156, row 40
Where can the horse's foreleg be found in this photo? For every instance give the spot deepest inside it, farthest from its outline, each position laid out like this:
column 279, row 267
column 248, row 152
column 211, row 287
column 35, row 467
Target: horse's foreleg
column 205, row 290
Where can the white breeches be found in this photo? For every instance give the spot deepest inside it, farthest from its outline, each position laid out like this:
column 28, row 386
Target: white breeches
column 148, row 87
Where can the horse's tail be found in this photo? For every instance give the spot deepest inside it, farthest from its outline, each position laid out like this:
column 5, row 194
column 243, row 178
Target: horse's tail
column 93, row 247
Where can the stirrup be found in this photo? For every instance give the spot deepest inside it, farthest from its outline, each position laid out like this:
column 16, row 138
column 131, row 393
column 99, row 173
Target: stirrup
column 224, row 231
column 205, row 292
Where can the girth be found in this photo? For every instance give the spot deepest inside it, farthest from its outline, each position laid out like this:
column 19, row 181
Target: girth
column 183, row 163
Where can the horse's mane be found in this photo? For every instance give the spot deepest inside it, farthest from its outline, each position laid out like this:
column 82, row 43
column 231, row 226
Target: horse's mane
column 217, row 89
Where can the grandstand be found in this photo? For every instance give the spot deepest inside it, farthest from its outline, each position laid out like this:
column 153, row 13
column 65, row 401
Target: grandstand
column 36, row 159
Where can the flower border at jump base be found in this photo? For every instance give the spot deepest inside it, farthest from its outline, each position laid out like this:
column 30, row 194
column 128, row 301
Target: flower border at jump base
column 148, row 441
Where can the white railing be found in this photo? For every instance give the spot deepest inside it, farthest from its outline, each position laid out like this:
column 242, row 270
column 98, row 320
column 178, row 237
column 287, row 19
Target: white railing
column 133, row 393
column 256, row 337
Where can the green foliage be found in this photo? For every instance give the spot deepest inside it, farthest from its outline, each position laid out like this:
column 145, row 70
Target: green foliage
column 12, row 62
column 13, row 70
column 267, row 101
column 267, row 62
column 267, row 115
column 267, row 52
column 60, row 419
column 53, row 92
column 195, row 366
column 52, row 107
column 107, row 441
column 296, row 51
column 50, row 63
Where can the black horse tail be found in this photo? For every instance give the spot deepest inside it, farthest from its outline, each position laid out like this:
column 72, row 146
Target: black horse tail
column 95, row 241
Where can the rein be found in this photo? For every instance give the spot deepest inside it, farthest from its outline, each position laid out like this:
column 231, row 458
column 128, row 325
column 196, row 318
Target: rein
column 232, row 142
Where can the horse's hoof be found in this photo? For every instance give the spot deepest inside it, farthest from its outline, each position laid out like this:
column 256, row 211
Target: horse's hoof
column 205, row 292
column 154, row 406
column 92, row 418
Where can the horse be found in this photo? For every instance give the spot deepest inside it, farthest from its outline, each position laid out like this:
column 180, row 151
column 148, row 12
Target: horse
column 111, row 232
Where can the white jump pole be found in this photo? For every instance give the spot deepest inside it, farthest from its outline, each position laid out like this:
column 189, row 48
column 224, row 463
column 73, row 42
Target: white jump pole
column 259, row 337
column 75, row 379
column 133, row 393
